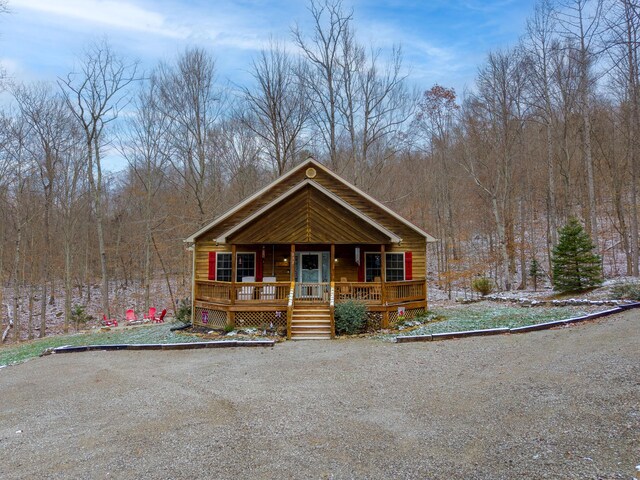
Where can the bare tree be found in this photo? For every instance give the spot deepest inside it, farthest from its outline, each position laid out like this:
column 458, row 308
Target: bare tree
column 49, row 120
column 191, row 100
column 494, row 120
column 144, row 145
column 539, row 45
column 96, row 94
column 322, row 79
column 579, row 23
column 435, row 121
column 277, row 110
column 623, row 42
column 21, row 178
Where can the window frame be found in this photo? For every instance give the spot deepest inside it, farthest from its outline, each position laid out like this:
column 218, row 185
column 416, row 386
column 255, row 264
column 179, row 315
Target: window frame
column 366, row 254
column 238, row 276
column 218, row 266
column 404, row 266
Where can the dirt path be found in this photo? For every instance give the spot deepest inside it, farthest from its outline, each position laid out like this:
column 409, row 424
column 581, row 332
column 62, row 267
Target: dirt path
column 554, row 404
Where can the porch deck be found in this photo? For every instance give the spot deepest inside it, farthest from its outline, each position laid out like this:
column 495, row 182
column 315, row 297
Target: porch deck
column 272, row 303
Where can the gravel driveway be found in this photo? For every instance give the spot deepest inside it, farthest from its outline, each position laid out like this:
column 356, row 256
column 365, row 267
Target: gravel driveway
column 556, row 404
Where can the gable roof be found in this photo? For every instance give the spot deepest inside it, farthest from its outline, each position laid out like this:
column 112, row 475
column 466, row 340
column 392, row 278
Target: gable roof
column 393, row 238
column 306, row 164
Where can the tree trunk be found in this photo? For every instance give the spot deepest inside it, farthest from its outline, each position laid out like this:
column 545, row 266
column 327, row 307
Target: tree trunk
column 502, row 242
column 67, row 283
column 16, row 282
column 97, row 200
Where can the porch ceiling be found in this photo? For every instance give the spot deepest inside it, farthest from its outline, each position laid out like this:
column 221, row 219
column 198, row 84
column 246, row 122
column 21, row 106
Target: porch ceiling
column 309, row 214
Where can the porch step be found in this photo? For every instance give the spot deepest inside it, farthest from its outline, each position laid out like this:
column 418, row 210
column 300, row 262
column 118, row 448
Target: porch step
column 311, row 322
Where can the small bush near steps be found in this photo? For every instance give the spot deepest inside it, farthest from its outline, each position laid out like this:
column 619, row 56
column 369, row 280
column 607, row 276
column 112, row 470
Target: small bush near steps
column 350, row 317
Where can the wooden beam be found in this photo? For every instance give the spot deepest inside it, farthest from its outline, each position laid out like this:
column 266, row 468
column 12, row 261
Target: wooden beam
column 292, row 263
column 332, row 260
column 234, row 271
column 194, row 294
column 383, row 288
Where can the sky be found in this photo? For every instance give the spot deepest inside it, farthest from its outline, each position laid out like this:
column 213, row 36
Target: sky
column 444, row 41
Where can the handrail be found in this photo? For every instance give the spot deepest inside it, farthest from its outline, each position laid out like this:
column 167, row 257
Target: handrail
column 290, row 309
column 332, row 308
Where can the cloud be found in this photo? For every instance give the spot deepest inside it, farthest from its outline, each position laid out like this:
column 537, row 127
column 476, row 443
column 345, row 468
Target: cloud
column 112, row 13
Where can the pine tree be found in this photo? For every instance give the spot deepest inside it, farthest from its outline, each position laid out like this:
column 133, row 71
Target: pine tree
column 575, row 266
column 536, row 273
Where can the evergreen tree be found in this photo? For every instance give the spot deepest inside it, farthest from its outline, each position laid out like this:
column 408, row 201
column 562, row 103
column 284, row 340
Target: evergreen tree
column 575, row 266
column 536, row 273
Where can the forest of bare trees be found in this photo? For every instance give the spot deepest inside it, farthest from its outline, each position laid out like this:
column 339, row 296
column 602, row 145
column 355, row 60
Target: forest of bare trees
column 548, row 131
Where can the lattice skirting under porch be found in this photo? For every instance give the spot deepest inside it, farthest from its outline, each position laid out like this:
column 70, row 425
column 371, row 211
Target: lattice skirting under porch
column 210, row 318
column 409, row 314
column 374, row 320
column 261, row 319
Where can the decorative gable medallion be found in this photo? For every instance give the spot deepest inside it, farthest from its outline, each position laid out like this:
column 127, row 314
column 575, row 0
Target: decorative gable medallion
column 311, row 172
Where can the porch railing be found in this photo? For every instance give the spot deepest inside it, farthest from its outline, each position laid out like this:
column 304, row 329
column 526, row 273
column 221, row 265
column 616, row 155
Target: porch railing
column 367, row 292
column 277, row 293
column 406, row 291
column 243, row 292
column 371, row 292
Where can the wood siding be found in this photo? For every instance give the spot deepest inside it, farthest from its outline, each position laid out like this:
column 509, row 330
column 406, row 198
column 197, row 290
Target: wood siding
column 321, row 221
column 309, row 217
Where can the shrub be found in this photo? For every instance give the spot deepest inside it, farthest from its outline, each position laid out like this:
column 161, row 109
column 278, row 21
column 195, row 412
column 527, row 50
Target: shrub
column 350, row 317
column 79, row 316
column 184, row 311
column 228, row 328
column 628, row 291
column 482, row 285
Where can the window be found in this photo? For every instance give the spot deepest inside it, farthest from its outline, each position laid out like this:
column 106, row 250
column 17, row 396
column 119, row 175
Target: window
column 246, row 266
column 395, row 267
column 373, row 266
column 223, row 267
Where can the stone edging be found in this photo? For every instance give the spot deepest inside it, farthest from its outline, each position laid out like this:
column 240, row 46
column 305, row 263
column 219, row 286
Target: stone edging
column 524, row 329
column 162, row 346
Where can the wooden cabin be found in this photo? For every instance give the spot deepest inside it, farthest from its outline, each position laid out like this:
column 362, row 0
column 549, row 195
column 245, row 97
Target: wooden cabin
column 284, row 257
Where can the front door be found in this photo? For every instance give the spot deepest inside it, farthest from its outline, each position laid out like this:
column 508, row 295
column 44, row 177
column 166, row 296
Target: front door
column 309, row 275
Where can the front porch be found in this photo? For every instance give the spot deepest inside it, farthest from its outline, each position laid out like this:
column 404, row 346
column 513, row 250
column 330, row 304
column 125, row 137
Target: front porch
column 272, row 286
column 288, row 254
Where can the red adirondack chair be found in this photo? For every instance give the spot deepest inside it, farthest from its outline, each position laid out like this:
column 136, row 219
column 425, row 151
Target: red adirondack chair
column 151, row 315
column 109, row 323
column 131, row 315
column 160, row 319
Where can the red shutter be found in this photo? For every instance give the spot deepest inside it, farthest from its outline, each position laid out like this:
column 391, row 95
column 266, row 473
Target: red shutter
column 408, row 266
column 259, row 266
column 361, row 266
column 212, row 266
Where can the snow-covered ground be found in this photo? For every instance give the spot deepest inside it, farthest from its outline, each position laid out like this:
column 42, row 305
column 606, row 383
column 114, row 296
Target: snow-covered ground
column 122, row 297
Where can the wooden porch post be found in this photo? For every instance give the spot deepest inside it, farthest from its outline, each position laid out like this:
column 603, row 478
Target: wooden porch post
column 332, row 260
column 194, row 293
column 426, row 292
column 292, row 264
column 383, row 292
column 231, row 315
